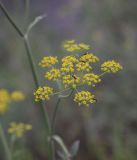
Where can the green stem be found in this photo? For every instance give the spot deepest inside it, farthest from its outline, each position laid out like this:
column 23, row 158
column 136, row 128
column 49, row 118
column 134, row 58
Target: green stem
column 5, row 144
column 54, row 115
column 33, row 69
column 31, row 60
column 53, row 124
column 12, row 144
column 27, row 6
column 101, row 75
column 11, row 20
column 56, row 109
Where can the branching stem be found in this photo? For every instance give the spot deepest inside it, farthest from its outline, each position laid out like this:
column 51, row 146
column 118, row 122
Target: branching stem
column 5, row 144
column 33, row 69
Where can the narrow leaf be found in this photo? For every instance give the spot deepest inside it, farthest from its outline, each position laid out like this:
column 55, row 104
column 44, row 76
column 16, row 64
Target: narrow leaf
column 74, row 148
column 60, row 142
column 36, row 21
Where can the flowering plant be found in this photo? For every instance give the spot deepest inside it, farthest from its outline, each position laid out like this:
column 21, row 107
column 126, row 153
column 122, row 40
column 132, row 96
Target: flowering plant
column 74, row 71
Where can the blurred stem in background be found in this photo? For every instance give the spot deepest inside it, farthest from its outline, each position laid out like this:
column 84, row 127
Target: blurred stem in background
column 5, row 144
column 27, row 7
column 24, row 36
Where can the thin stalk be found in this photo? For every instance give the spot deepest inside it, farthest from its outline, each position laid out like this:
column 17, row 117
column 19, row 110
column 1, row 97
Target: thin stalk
column 33, row 69
column 54, row 118
column 53, row 125
column 101, row 75
column 27, row 7
column 12, row 144
column 5, row 144
column 11, row 20
column 56, row 109
column 31, row 61
column 54, row 115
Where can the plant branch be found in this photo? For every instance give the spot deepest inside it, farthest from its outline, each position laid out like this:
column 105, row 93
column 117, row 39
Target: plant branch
column 27, row 7
column 11, row 20
column 33, row 69
column 54, row 115
column 56, row 109
column 5, row 144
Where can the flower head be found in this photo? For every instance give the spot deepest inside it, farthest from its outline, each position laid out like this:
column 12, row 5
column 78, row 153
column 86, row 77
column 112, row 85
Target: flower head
column 72, row 46
column 70, row 80
column 48, row 61
column 71, row 59
column 43, row 93
column 3, row 107
column 53, row 74
column 19, row 129
column 84, row 98
column 111, row 66
column 84, row 46
column 17, row 96
column 68, row 63
column 83, row 66
column 4, row 100
column 91, row 79
column 89, row 57
column 74, row 71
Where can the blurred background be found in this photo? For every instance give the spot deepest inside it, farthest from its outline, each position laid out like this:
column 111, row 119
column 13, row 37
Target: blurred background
column 107, row 130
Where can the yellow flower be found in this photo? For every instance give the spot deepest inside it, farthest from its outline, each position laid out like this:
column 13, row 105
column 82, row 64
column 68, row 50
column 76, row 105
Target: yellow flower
column 72, row 46
column 83, row 66
column 70, row 80
column 4, row 100
column 17, row 96
column 4, row 96
column 91, row 79
column 111, row 66
column 68, row 64
column 43, row 93
column 74, row 71
column 84, row 46
column 89, row 57
column 53, row 74
column 69, row 68
column 3, row 107
column 84, row 98
column 19, row 129
column 70, row 41
column 48, row 61
column 28, row 127
column 71, row 59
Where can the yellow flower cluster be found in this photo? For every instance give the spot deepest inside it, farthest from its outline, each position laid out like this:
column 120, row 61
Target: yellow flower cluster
column 53, row 74
column 6, row 98
column 71, row 59
column 48, row 61
column 89, row 57
column 91, row 79
column 17, row 96
column 43, row 93
column 70, row 81
column 84, row 97
column 111, row 66
column 19, row 129
column 72, row 46
column 83, row 66
column 68, row 63
column 74, row 71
